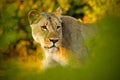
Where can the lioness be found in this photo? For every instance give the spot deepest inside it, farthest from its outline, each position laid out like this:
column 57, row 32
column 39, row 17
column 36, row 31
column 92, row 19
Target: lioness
column 59, row 36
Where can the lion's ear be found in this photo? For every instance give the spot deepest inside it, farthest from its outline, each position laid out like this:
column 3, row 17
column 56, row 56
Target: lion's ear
column 58, row 12
column 33, row 16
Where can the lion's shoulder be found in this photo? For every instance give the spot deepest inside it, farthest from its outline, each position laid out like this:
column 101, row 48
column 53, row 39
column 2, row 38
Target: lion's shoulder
column 72, row 37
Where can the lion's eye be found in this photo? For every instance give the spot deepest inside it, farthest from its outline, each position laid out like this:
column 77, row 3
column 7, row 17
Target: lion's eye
column 58, row 27
column 44, row 27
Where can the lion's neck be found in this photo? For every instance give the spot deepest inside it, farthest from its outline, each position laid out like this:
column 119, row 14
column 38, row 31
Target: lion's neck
column 58, row 56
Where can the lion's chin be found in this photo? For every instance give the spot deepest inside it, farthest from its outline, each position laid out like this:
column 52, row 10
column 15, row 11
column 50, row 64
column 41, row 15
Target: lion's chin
column 51, row 49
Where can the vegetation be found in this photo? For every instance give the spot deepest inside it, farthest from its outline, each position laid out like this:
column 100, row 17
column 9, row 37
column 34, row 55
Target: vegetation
column 20, row 54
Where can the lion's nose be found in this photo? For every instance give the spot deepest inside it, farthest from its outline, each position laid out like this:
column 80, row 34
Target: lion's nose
column 54, row 40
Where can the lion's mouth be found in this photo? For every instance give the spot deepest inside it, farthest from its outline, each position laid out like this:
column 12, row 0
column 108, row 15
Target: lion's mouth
column 53, row 46
column 51, row 49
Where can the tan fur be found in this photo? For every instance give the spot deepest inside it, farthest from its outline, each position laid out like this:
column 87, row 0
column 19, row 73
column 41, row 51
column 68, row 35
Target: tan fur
column 66, row 30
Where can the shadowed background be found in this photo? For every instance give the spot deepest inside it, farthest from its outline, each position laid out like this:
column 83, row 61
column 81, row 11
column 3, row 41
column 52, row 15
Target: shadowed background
column 20, row 54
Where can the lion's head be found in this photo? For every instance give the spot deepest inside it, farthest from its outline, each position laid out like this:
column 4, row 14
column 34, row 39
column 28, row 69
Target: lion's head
column 46, row 29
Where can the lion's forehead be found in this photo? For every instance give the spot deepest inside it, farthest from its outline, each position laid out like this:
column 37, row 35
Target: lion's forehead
column 50, row 18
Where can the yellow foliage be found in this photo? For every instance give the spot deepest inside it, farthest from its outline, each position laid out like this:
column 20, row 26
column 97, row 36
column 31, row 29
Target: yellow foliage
column 65, row 4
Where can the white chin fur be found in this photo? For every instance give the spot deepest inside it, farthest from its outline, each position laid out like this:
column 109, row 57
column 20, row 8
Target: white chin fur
column 51, row 50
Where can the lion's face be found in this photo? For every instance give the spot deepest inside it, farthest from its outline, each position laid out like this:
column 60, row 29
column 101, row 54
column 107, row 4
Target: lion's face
column 47, row 31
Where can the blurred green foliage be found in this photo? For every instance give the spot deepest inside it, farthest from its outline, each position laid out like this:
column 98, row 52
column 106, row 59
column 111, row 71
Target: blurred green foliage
column 16, row 40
